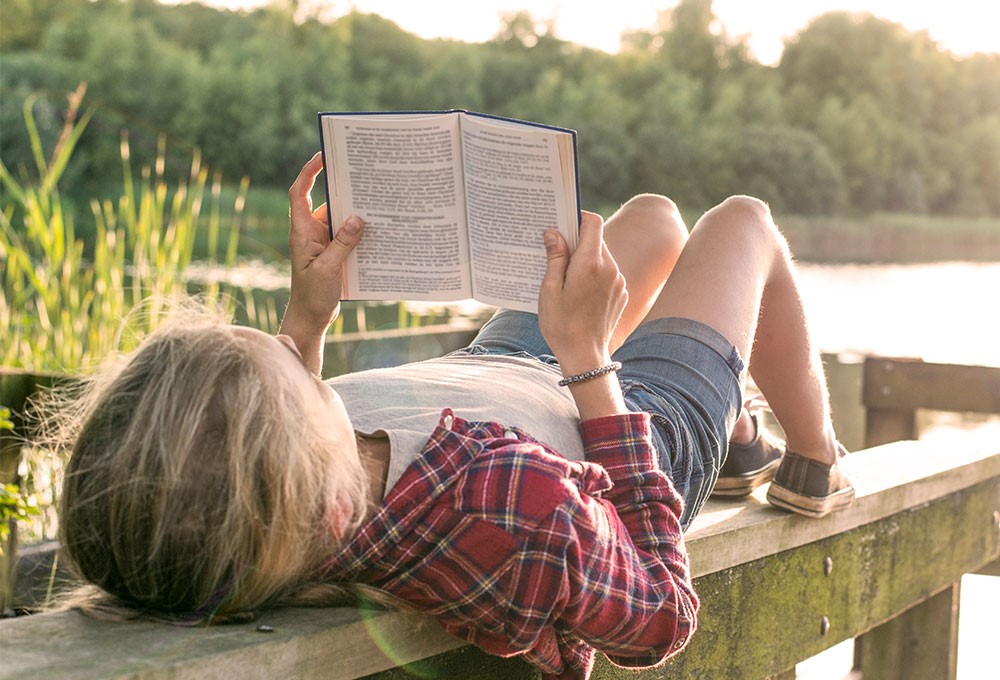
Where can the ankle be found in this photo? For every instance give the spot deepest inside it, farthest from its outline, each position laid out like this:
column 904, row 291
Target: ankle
column 745, row 429
column 825, row 451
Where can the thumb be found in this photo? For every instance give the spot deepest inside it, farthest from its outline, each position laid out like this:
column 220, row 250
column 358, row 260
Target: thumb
column 557, row 254
column 346, row 238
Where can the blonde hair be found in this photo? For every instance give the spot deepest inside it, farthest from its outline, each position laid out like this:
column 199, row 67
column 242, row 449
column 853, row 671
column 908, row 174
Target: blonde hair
column 201, row 486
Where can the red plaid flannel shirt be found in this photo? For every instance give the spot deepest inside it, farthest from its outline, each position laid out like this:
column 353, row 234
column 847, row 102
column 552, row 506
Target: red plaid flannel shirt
column 520, row 551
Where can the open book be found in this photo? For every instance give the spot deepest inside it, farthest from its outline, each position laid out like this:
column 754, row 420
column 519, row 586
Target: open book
column 454, row 203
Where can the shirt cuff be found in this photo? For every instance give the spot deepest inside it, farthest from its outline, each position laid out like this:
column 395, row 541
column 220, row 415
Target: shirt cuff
column 621, row 443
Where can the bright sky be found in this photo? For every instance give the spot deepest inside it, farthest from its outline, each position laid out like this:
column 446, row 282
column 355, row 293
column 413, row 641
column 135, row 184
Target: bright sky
column 962, row 26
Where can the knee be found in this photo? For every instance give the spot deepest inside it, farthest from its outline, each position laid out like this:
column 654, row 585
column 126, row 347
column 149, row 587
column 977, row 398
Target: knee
column 746, row 218
column 654, row 204
column 666, row 224
column 746, row 209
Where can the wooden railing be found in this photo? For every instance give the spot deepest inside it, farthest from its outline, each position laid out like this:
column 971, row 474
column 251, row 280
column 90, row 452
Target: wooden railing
column 776, row 588
column 923, row 640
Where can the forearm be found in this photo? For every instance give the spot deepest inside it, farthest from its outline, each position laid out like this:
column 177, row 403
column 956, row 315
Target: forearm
column 601, row 396
column 579, row 305
column 596, row 397
column 308, row 334
column 660, row 607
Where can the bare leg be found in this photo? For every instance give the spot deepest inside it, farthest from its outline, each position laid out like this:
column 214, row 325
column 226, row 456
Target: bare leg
column 646, row 236
column 735, row 274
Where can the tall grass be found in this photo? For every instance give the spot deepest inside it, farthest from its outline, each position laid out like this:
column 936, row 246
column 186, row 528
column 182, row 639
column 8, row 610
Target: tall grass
column 67, row 302
column 63, row 299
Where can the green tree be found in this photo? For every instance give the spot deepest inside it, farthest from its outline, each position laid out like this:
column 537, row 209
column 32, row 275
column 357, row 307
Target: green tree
column 908, row 125
column 857, row 135
column 676, row 155
column 689, row 45
column 977, row 189
column 452, row 78
column 385, row 61
column 606, row 150
column 890, row 105
column 752, row 97
column 789, row 168
column 25, row 22
column 516, row 59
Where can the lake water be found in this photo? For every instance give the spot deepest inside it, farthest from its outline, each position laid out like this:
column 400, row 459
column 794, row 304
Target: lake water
column 947, row 312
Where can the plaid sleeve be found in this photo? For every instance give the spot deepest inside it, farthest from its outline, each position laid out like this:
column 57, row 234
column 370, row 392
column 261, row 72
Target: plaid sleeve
column 633, row 594
column 539, row 556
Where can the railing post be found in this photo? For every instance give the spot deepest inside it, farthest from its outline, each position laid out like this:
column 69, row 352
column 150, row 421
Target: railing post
column 919, row 644
column 15, row 389
column 884, row 422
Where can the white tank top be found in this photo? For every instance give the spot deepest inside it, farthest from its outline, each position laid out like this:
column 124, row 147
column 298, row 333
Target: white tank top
column 406, row 402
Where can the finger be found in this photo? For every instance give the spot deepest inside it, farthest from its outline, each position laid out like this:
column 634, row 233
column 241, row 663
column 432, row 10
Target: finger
column 591, row 231
column 299, row 198
column 621, row 299
column 322, row 215
column 557, row 254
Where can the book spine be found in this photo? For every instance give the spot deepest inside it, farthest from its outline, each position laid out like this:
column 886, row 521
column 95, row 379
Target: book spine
column 326, row 170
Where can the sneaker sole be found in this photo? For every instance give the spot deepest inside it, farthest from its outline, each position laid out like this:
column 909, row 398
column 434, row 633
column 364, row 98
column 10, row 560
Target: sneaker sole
column 743, row 485
column 808, row 506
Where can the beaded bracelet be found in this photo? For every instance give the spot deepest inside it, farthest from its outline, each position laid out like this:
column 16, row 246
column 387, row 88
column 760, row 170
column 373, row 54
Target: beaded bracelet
column 591, row 374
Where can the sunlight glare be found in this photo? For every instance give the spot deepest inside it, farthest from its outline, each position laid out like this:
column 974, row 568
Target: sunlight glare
column 961, row 26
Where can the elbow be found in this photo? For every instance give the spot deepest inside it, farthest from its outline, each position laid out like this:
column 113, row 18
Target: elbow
column 682, row 635
column 680, row 620
column 687, row 623
column 663, row 636
column 674, row 640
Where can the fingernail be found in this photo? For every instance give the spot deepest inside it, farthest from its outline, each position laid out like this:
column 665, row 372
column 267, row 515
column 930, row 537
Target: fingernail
column 352, row 225
column 550, row 239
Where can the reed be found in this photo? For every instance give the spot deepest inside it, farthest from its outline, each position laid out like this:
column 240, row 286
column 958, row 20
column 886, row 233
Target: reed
column 63, row 299
column 67, row 302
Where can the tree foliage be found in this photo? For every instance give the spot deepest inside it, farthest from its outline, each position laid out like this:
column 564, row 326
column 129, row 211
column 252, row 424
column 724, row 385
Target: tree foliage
column 860, row 115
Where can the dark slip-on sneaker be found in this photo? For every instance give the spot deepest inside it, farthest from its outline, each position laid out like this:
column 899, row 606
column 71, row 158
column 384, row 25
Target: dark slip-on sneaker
column 810, row 488
column 750, row 465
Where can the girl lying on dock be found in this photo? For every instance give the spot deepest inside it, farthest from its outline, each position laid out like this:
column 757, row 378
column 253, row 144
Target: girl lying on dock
column 529, row 491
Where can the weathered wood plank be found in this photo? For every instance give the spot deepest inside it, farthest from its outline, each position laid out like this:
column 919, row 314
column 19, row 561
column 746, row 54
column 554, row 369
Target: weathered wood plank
column 767, row 615
column 911, row 384
column 786, row 675
column 755, row 569
column 16, row 388
column 302, row 643
column 885, row 425
column 991, row 569
column 359, row 351
column 888, row 479
column 764, row 616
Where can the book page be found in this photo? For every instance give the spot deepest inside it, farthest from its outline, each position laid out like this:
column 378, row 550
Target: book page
column 516, row 188
column 401, row 173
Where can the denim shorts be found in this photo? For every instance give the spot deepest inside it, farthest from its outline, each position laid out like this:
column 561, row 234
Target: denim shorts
column 685, row 374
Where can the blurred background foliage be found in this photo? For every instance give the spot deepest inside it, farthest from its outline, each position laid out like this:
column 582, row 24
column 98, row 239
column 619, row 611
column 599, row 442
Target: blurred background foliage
column 860, row 115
